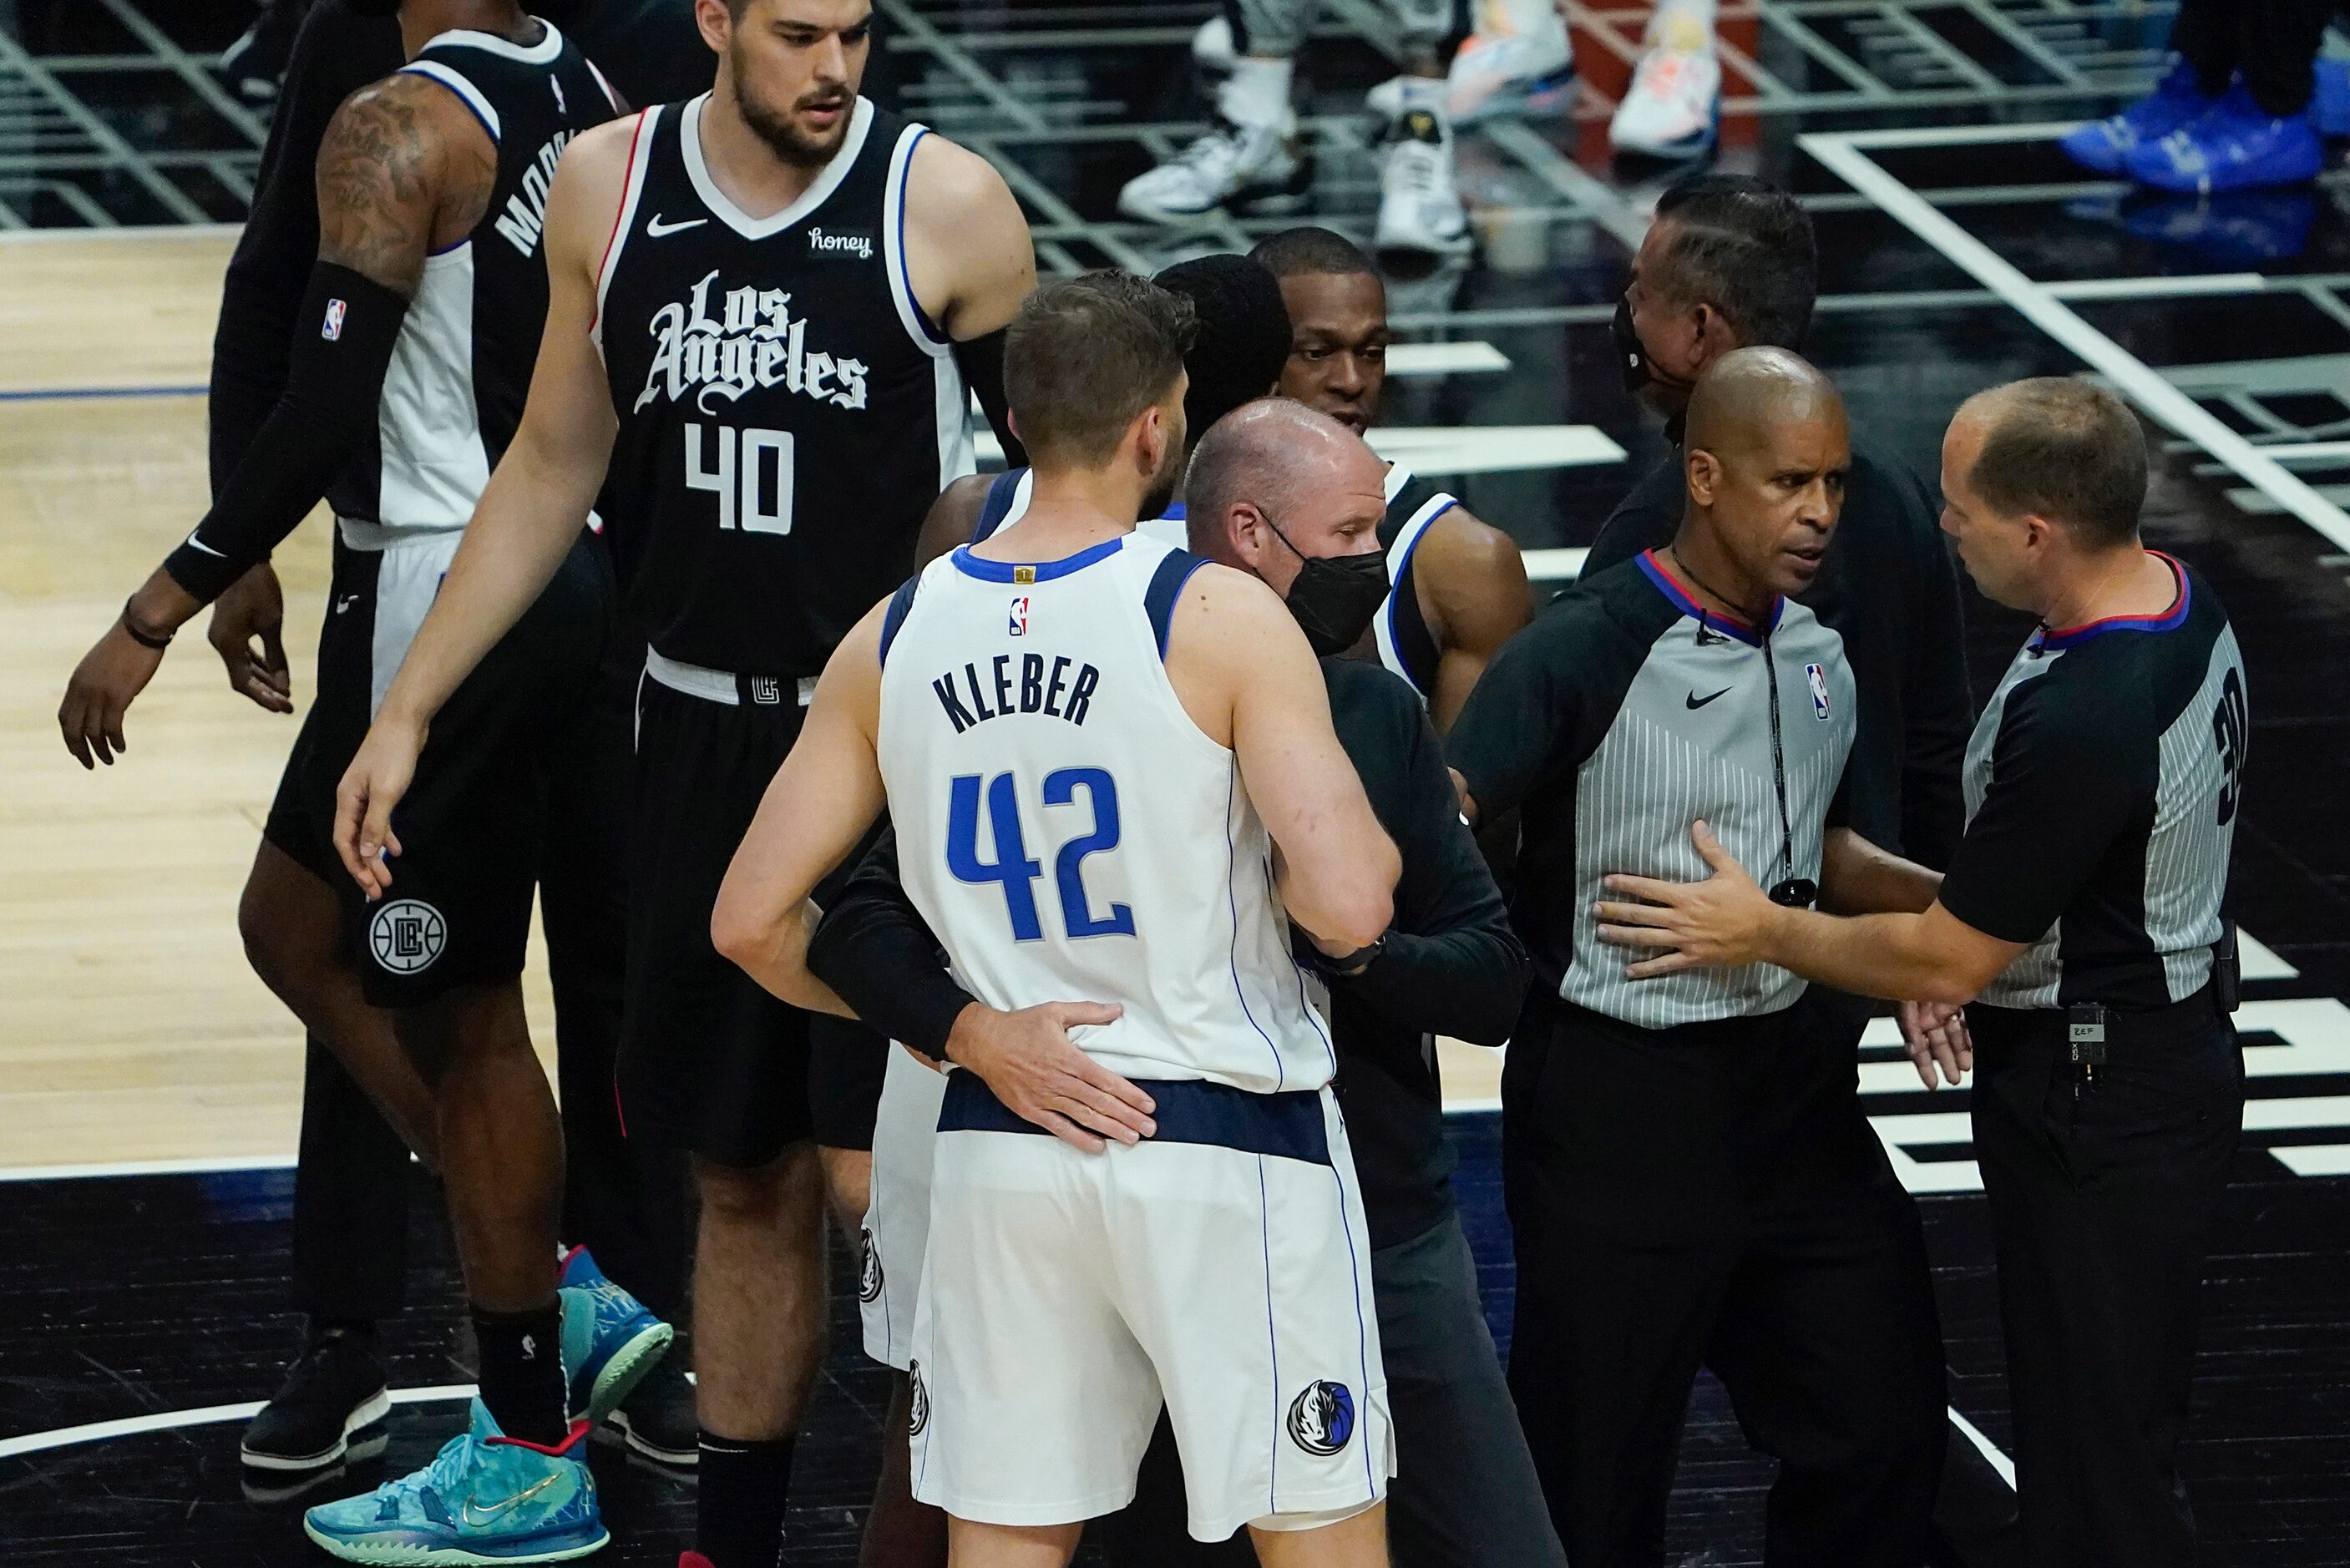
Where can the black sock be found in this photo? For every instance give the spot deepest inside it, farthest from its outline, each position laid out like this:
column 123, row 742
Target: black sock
column 522, row 1372
column 739, row 1523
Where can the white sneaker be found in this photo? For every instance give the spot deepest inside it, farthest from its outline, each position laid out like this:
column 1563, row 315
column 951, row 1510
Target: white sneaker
column 1230, row 163
column 1528, row 74
column 1673, row 108
column 1212, row 46
column 1420, row 205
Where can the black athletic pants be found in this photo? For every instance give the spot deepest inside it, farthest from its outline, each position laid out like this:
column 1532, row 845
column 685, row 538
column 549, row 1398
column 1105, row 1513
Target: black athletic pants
column 2102, row 1202
column 626, row 1200
column 1464, row 1493
column 2274, row 43
column 1710, row 1196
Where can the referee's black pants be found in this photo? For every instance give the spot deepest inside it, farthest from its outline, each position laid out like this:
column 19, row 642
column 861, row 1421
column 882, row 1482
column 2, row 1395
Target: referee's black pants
column 1710, row 1196
column 2102, row 1197
column 626, row 1201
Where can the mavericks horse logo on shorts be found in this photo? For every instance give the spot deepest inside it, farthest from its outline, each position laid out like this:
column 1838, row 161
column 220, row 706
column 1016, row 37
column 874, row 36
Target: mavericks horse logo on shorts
column 407, row 935
column 869, row 1266
column 1322, row 1418
column 921, row 1411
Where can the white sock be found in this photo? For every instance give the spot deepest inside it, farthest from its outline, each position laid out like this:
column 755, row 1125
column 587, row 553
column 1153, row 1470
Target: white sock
column 1256, row 93
column 1684, row 24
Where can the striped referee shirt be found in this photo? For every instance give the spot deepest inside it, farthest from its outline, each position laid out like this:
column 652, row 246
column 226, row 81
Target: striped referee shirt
column 1625, row 712
column 2102, row 788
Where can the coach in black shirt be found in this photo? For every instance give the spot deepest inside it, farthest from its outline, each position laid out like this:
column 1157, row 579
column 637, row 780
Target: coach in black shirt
column 2083, row 914
column 1689, row 1179
column 1729, row 263
column 1465, row 1493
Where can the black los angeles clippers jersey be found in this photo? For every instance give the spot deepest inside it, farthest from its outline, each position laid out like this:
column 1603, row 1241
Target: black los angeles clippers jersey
column 2102, row 788
column 787, row 413
column 461, row 370
column 1405, row 645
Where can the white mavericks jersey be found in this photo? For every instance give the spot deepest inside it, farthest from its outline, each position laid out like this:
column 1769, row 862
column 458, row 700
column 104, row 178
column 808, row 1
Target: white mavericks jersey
column 1070, row 834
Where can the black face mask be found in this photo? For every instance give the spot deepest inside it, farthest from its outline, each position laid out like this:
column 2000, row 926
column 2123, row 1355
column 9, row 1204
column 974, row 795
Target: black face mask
column 1631, row 357
column 1334, row 598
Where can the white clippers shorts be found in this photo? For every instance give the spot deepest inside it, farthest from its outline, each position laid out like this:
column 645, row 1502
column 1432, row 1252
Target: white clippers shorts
column 897, row 1229
column 1220, row 1267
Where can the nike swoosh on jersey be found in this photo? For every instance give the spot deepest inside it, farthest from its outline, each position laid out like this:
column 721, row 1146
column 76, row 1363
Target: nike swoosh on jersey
column 207, row 549
column 1696, row 702
column 474, row 1515
column 656, row 228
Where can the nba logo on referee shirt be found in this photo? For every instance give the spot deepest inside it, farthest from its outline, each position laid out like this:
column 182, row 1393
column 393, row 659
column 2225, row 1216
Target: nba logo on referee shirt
column 1817, row 679
column 1020, row 616
column 406, row 935
column 331, row 329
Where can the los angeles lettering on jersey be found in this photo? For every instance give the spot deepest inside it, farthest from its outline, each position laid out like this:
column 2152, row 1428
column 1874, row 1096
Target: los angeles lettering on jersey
column 753, row 341
column 1032, row 691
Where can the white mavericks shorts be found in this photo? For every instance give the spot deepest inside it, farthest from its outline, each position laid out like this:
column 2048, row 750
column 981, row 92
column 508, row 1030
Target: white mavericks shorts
column 1220, row 1267
column 897, row 1230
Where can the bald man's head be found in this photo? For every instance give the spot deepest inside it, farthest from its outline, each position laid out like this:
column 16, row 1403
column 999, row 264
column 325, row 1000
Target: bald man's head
column 1274, row 484
column 1765, row 452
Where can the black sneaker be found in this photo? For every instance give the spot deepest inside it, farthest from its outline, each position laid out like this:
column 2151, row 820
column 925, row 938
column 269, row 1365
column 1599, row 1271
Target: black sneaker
column 335, row 1388
column 658, row 1418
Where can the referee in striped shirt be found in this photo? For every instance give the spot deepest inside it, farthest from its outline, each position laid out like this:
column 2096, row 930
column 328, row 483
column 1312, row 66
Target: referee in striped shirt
column 2083, row 916
column 1690, row 1179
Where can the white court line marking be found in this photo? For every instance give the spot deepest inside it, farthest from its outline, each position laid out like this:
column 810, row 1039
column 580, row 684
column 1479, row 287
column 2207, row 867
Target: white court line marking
column 203, row 1167
column 2315, row 1159
column 122, row 232
column 1985, row 1447
column 203, row 1415
column 1841, row 154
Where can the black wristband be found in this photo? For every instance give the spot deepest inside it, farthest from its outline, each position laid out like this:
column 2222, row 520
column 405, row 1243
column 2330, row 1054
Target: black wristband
column 143, row 638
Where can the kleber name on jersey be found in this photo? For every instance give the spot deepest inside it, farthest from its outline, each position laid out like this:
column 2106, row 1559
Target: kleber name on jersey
column 1064, row 690
column 753, row 341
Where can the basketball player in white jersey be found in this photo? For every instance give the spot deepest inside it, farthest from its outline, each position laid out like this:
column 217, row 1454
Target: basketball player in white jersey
column 1068, row 693
column 768, row 309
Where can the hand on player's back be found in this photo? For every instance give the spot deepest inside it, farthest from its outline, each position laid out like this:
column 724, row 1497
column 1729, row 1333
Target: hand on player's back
column 1029, row 1060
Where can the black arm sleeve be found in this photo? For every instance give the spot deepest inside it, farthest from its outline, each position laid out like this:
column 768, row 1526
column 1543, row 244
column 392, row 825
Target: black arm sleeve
column 981, row 361
column 1524, row 717
column 335, row 54
column 2068, row 779
column 1452, row 964
column 342, row 344
column 1937, row 705
column 879, row 955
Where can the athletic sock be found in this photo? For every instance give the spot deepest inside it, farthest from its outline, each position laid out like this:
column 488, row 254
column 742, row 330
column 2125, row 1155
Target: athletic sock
column 739, row 1519
column 1257, row 93
column 522, row 1372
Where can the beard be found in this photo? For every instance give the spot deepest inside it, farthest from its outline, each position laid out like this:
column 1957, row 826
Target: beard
column 781, row 132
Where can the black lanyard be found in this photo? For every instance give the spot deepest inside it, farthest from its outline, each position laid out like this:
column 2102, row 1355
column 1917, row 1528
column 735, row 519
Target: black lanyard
column 1795, row 892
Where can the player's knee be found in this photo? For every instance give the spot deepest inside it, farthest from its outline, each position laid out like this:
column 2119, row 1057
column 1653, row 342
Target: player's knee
column 760, row 1194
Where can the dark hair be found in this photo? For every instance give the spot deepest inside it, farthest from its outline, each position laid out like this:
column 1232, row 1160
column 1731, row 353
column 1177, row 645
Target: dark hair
column 1244, row 338
column 1310, row 249
column 2064, row 450
column 1086, row 355
column 1744, row 248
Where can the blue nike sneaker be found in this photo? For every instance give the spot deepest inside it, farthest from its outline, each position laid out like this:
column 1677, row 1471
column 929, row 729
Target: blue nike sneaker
column 609, row 1340
column 2104, row 146
column 2237, row 145
column 484, row 1499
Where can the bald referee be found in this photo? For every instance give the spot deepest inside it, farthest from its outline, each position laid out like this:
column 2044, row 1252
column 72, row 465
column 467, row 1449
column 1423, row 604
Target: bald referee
column 2083, row 916
column 1690, row 1181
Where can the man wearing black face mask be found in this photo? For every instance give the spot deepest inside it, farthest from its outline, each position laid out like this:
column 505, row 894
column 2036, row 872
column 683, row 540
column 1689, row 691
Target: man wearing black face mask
column 1289, row 496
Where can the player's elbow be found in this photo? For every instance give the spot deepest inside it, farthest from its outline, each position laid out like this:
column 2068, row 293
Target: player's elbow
column 1955, row 979
column 743, row 934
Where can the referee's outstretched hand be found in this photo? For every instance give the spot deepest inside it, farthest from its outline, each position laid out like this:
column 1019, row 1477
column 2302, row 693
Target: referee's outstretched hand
column 1935, row 1036
column 1720, row 922
column 1036, row 1070
column 371, row 786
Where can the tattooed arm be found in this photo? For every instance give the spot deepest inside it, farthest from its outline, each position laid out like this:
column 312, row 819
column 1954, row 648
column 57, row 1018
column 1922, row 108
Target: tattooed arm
column 405, row 169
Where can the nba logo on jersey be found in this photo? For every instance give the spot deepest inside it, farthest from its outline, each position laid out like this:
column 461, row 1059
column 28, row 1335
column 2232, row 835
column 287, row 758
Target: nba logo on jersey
column 1020, row 616
column 1818, row 679
column 332, row 328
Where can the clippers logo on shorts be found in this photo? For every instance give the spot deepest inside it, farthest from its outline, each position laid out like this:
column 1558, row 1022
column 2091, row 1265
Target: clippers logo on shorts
column 767, row 690
column 1020, row 616
column 822, row 244
column 753, row 341
column 868, row 1267
column 1322, row 1418
column 331, row 329
column 1818, row 679
column 406, row 935
column 921, row 1411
